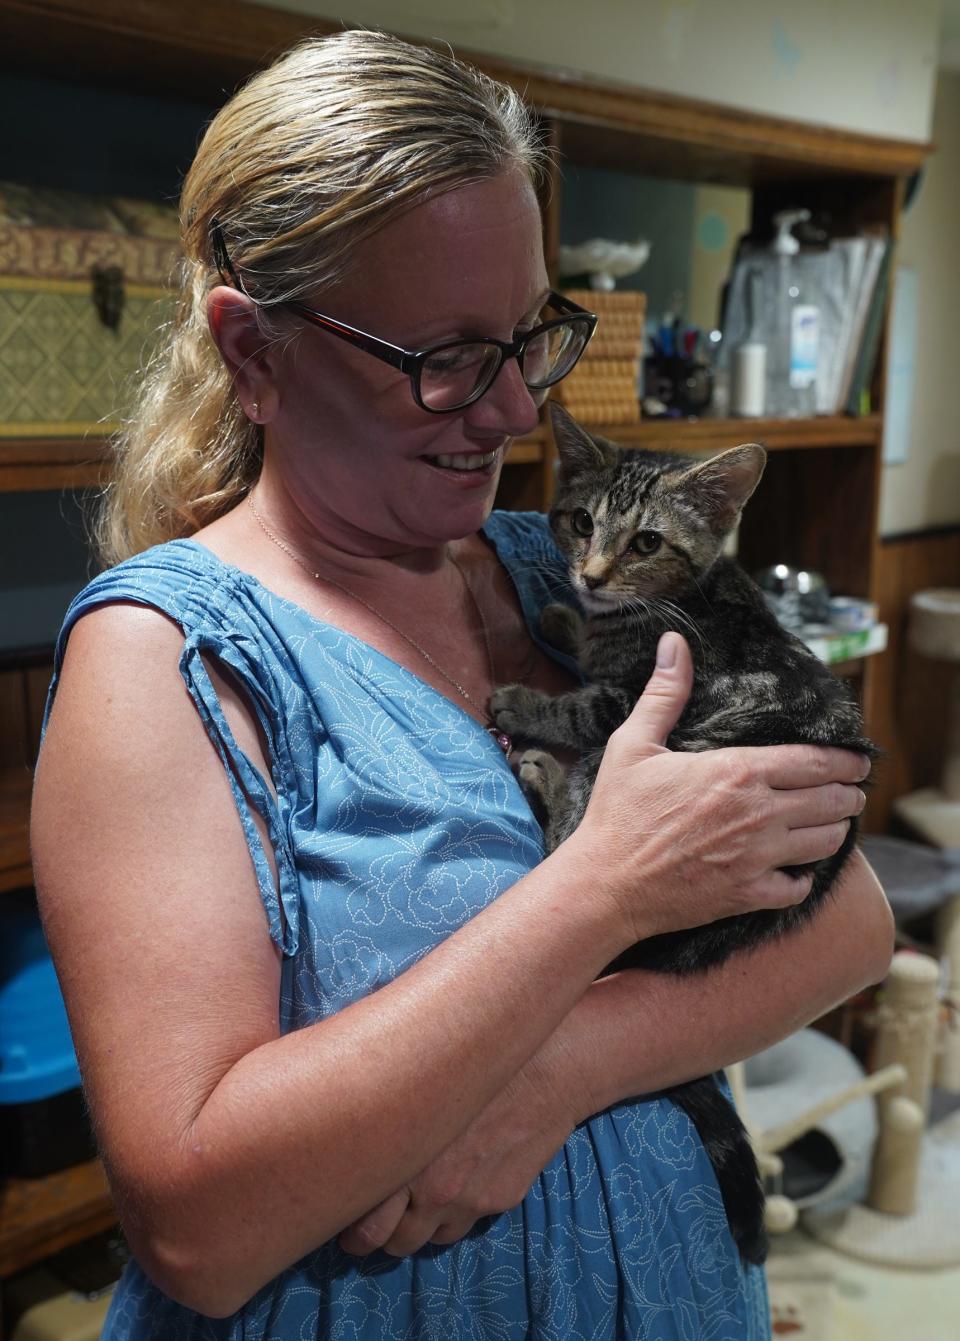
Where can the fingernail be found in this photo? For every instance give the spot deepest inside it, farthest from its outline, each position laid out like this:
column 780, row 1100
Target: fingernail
column 667, row 652
column 866, row 765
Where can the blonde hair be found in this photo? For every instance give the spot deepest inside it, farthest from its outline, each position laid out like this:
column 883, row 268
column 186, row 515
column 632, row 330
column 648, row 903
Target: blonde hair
column 312, row 155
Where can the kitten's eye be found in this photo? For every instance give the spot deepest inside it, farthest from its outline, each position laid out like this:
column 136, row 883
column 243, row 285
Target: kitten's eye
column 647, row 542
column 581, row 521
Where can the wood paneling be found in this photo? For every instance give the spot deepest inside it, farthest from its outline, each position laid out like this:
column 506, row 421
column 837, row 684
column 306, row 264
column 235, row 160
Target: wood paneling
column 910, row 692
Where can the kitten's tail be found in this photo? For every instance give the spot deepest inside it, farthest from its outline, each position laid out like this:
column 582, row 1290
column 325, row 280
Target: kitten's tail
column 731, row 1154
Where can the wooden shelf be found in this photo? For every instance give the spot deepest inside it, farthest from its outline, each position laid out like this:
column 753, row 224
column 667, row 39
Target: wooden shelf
column 775, row 434
column 64, row 463
column 52, row 463
column 39, row 1216
column 703, row 435
column 15, row 788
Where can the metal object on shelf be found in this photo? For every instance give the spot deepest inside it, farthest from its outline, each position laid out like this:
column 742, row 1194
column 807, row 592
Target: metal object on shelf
column 796, row 596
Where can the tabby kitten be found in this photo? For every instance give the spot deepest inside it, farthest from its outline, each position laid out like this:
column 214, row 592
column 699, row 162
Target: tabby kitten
column 642, row 533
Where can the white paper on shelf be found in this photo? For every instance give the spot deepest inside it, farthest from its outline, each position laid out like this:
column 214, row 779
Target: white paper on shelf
column 901, row 367
column 836, row 647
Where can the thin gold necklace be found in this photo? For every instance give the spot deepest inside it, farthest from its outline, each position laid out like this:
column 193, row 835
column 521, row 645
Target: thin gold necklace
column 501, row 737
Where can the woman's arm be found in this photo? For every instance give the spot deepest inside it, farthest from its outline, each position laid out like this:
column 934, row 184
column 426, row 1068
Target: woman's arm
column 633, row 1033
column 232, row 1150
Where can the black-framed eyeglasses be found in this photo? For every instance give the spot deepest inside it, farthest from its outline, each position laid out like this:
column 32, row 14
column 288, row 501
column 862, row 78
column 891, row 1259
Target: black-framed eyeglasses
column 452, row 375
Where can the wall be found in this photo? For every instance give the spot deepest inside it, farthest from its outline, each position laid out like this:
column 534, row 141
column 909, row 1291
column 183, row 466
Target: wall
column 721, row 215
column 692, row 231
column 925, row 490
column 864, row 65
column 597, row 203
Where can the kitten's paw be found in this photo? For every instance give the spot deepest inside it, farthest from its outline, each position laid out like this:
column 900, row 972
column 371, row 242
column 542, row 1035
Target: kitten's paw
column 514, row 708
column 539, row 771
column 561, row 627
column 543, row 782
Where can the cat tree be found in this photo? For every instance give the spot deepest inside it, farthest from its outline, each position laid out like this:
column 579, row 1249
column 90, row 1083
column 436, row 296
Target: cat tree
column 907, row 1215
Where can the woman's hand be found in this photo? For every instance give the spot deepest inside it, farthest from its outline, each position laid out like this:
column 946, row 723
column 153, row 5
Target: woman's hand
column 681, row 839
column 487, row 1170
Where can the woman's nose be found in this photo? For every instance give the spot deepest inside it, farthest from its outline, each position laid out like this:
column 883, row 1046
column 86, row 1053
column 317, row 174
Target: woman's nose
column 509, row 406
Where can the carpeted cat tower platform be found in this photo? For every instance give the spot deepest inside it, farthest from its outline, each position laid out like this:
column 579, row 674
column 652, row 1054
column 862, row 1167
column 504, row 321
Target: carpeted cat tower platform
column 929, row 1237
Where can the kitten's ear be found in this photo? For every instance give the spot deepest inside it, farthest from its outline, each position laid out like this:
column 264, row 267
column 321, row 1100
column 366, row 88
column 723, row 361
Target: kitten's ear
column 579, row 452
column 723, row 484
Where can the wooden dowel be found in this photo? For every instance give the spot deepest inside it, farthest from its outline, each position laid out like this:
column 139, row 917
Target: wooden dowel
column 896, row 1159
column 777, row 1137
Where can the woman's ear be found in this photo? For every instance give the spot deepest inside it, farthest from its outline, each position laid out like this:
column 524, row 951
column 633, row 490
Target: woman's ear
column 245, row 350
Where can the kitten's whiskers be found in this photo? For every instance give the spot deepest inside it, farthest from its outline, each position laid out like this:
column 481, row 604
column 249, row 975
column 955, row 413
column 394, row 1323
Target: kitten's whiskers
column 674, row 615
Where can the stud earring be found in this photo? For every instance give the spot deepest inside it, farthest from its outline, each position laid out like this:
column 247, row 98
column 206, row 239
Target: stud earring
column 255, row 407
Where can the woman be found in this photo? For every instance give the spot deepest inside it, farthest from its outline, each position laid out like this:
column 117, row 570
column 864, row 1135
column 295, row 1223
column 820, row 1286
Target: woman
column 327, row 996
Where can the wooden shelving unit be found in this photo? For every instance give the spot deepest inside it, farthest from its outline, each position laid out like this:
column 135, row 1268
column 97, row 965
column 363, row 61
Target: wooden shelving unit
column 15, row 784
column 817, row 503
column 52, row 463
column 39, row 1216
column 705, row 435
column 64, row 463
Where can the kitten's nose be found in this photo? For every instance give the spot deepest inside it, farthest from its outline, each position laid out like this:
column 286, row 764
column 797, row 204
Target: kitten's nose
column 591, row 582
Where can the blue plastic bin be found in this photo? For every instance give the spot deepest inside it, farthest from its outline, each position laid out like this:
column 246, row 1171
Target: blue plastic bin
column 43, row 1121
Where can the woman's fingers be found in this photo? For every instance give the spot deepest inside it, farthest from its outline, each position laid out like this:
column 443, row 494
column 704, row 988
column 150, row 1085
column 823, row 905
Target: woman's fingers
column 812, row 806
column 414, row 1230
column 793, row 767
column 805, row 845
column 374, row 1229
column 779, row 889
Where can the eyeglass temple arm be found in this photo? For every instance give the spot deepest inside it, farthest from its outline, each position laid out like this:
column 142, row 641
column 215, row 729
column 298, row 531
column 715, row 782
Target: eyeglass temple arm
column 562, row 304
column 221, row 257
column 393, row 354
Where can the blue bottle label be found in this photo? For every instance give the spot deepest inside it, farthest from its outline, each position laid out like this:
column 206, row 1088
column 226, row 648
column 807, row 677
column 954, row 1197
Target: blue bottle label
column 804, row 344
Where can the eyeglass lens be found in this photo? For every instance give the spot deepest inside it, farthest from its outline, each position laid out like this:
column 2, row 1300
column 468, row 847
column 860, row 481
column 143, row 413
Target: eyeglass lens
column 457, row 374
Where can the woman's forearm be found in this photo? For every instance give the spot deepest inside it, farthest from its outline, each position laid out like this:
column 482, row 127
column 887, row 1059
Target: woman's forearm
column 636, row 1032
column 315, row 1126
column 633, row 1033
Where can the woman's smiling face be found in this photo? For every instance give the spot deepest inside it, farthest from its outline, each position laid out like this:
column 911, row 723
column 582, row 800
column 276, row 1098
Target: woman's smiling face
column 357, row 451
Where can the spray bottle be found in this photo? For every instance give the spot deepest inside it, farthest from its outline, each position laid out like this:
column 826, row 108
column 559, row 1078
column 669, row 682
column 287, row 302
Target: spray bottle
column 794, row 326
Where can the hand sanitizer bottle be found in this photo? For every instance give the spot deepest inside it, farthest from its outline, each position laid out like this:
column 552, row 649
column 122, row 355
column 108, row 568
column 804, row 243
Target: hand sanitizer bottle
column 795, row 329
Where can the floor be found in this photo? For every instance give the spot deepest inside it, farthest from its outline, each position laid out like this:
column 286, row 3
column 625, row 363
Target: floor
column 819, row 1295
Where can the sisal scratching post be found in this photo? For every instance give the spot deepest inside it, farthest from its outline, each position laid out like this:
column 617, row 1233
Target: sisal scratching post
column 906, row 1020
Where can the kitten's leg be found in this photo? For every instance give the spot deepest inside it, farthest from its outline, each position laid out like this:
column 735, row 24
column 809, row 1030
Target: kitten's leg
column 562, row 628
column 580, row 719
column 544, row 782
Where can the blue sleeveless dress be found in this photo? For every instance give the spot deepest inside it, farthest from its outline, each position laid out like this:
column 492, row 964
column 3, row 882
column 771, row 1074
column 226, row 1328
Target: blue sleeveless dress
column 396, row 819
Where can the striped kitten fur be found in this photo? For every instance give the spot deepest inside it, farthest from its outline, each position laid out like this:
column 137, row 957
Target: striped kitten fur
column 642, row 533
